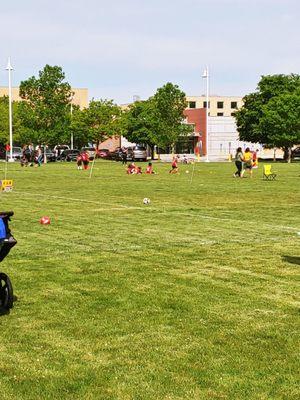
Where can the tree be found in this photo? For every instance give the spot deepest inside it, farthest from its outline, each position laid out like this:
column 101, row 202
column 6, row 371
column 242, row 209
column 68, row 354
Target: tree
column 269, row 115
column 281, row 121
column 139, row 123
column 4, row 121
column 169, row 104
column 97, row 122
column 158, row 120
column 45, row 113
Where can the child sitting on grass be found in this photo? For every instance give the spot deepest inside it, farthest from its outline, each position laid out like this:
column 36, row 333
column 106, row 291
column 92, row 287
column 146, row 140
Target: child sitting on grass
column 149, row 169
column 131, row 169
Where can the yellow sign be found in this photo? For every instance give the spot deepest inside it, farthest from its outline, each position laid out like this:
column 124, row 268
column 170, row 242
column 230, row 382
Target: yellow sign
column 6, row 185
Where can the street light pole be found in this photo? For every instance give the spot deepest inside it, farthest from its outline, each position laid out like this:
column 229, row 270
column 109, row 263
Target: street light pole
column 72, row 137
column 206, row 76
column 9, row 69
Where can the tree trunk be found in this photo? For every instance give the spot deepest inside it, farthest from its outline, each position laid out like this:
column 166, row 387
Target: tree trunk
column 287, row 154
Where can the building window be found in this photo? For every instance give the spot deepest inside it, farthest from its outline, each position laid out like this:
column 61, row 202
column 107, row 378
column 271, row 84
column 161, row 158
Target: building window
column 220, row 104
column 220, row 114
column 233, row 114
column 204, row 104
column 234, row 104
column 192, row 104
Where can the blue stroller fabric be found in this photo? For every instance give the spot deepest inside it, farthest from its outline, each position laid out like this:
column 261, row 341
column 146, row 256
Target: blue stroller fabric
column 2, row 229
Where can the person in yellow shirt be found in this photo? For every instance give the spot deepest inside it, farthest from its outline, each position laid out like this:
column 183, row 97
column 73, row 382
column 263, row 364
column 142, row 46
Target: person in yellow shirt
column 248, row 161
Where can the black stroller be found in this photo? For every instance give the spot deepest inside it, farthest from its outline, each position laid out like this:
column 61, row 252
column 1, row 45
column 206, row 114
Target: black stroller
column 7, row 241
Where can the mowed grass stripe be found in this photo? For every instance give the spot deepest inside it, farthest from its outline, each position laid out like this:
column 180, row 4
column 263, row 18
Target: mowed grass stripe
column 193, row 297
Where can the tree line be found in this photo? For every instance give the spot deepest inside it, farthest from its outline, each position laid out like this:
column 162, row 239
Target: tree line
column 270, row 115
column 46, row 116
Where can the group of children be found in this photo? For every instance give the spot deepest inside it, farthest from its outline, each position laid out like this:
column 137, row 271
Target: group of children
column 246, row 161
column 134, row 169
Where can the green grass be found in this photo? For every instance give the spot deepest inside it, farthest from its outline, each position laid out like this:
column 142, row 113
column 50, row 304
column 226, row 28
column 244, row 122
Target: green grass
column 192, row 297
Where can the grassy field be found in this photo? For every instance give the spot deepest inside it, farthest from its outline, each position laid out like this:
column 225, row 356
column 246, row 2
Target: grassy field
column 192, row 297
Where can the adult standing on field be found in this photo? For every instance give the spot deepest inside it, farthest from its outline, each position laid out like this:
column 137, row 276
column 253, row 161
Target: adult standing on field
column 248, row 162
column 124, row 156
column 239, row 158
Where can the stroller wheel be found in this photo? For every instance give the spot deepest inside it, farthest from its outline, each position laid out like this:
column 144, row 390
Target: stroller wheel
column 6, row 292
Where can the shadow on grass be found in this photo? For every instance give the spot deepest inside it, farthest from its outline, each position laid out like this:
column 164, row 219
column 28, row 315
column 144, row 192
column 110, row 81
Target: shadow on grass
column 292, row 260
column 4, row 311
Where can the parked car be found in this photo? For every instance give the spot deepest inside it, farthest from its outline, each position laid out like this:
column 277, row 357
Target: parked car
column 91, row 152
column 116, row 155
column 2, row 154
column 70, row 155
column 139, row 153
column 50, row 155
column 16, row 153
column 103, row 153
column 59, row 149
column 296, row 153
column 130, row 154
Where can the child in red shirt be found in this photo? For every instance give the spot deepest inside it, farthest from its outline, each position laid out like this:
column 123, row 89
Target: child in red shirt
column 85, row 160
column 149, row 169
column 174, row 169
column 131, row 168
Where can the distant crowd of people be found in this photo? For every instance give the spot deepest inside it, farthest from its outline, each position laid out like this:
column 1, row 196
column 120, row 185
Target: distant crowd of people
column 245, row 161
column 31, row 156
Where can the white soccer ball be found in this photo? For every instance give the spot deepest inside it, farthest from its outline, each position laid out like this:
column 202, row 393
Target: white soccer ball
column 146, row 200
column 187, row 171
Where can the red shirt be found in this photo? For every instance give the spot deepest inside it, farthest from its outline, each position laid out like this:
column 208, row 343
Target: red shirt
column 84, row 157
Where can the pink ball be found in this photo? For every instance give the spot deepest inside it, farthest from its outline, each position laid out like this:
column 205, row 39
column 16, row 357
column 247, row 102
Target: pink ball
column 45, row 221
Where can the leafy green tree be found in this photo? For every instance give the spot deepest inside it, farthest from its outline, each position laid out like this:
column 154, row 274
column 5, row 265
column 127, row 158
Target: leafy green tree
column 4, row 121
column 169, row 104
column 139, row 123
column 96, row 123
column 281, row 121
column 266, row 118
column 45, row 113
column 158, row 120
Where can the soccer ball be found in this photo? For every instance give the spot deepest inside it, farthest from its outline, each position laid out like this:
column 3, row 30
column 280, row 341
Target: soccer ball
column 187, row 171
column 45, row 221
column 146, row 200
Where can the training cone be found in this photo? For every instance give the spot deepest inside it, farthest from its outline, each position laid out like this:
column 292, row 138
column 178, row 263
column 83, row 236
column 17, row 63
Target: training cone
column 45, row 221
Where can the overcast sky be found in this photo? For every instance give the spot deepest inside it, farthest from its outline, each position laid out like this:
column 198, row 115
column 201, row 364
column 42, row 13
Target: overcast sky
column 121, row 48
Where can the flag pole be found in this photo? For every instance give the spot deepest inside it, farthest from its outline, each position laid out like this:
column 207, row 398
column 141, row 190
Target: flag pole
column 9, row 69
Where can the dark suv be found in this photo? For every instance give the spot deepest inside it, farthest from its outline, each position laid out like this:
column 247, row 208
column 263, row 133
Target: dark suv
column 296, row 153
column 69, row 155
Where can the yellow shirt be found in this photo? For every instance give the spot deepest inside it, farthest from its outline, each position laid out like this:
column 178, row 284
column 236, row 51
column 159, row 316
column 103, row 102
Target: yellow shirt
column 248, row 157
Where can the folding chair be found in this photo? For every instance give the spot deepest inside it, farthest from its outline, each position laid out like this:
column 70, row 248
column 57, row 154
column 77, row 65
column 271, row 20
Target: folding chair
column 268, row 174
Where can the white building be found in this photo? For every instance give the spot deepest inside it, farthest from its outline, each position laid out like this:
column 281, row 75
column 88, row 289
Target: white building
column 223, row 140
